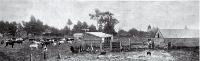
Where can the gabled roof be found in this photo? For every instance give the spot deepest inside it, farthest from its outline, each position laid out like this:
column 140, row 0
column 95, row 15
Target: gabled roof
column 99, row 34
column 179, row 33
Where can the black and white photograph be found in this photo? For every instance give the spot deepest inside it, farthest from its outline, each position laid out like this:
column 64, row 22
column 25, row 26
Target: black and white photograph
column 99, row 30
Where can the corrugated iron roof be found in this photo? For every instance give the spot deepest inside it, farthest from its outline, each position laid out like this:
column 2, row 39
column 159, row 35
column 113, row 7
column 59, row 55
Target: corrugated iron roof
column 99, row 34
column 179, row 33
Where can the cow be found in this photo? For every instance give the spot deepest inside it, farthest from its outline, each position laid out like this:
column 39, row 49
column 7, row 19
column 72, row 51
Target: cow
column 149, row 53
column 12, row 41
column 35, row 44
column 19, row 40
column 46, row 43
column 9, row 42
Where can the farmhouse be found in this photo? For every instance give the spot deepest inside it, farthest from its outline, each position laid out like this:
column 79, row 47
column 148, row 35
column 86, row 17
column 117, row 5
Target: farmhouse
column 178, row 37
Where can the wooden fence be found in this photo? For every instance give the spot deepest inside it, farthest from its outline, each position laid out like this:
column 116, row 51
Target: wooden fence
column 126, row 44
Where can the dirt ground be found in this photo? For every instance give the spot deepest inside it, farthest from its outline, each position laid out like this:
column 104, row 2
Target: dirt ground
column 156, row 55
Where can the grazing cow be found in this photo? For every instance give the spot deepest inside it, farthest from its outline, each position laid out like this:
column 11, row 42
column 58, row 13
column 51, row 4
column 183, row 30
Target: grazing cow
column 69, row 42
column 35, row 44
column 69, row 39
column 60, row 42
column 54, row 44
column 19, row 40
column 9, row 42
column 149, row 53
column 31, row 39
column 103, row 53
column 46, row 43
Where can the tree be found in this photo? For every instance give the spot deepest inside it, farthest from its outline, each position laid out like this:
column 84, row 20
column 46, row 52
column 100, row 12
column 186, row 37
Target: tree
column 123, row 33
column 85, row 25
column 12, row 28
column 34, row 26
column 66, row 30
column 69, row 23
column 20, row 31
column 8, row 28
column 105, row 20
column 153, row 32
column 78, row 27
column 133, row 32
column 92, row 28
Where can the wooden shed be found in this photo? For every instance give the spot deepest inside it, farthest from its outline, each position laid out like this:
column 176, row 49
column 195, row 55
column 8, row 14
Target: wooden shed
column 98, row 39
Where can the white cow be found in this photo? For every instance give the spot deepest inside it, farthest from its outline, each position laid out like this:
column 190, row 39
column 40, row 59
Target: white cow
column 35, row 44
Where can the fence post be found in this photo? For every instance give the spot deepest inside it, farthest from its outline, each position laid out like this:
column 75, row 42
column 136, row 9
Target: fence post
column 59, row 56
column 110, row 45
column 44, row 55
column 31, row 57
column 120, row 46
column 129, row 44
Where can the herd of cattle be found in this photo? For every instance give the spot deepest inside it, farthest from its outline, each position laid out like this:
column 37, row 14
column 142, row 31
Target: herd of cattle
column 44, row 42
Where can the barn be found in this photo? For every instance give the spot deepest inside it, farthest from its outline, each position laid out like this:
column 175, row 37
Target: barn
column 98, row 39
column 177, row 37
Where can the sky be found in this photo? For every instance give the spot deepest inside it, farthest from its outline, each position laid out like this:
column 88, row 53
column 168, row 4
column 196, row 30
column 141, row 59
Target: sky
column 131, row 14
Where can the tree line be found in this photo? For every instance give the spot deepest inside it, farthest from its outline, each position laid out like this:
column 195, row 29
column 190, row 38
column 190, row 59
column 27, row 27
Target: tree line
column 105, row 23
column 150, row 33
column 36, row 27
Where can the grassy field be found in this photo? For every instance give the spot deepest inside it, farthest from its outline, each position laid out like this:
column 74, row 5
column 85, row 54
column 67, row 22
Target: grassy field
column 23, row 52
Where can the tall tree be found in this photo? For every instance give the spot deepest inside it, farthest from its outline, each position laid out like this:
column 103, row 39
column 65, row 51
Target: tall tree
column 66, row 30
column 92, row 28
column 105, row 20
column 34, row 26
column 133, row 32
column 20, row 31
column 85, row 25
column 78, row 27
column 69, row 23
column 12, row 28
column 123, row 33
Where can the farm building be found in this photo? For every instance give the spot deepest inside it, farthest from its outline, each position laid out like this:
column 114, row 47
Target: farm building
column 95, row 39
column 78, row 35
column 98, row 39
column 177, row 37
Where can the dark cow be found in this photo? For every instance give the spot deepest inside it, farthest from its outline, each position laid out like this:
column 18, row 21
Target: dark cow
column 13, row 41
column 9, row 42
column 149, row 53
column 46, row 43
column 69, row 39
column 19, row 40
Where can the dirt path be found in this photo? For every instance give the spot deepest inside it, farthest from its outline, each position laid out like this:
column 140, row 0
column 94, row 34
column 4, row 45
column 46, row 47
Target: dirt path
column 160, row 55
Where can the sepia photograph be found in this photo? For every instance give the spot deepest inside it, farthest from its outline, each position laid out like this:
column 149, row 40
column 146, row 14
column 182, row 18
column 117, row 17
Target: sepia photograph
column 99, row 30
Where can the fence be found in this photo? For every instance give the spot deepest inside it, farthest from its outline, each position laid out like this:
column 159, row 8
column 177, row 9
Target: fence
column 128, row 43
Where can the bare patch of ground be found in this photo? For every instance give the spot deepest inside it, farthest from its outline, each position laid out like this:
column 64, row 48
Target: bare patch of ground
column 156, row 55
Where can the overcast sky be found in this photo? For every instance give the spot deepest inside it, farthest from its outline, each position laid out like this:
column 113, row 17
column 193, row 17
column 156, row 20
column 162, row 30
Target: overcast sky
column 131, row 14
